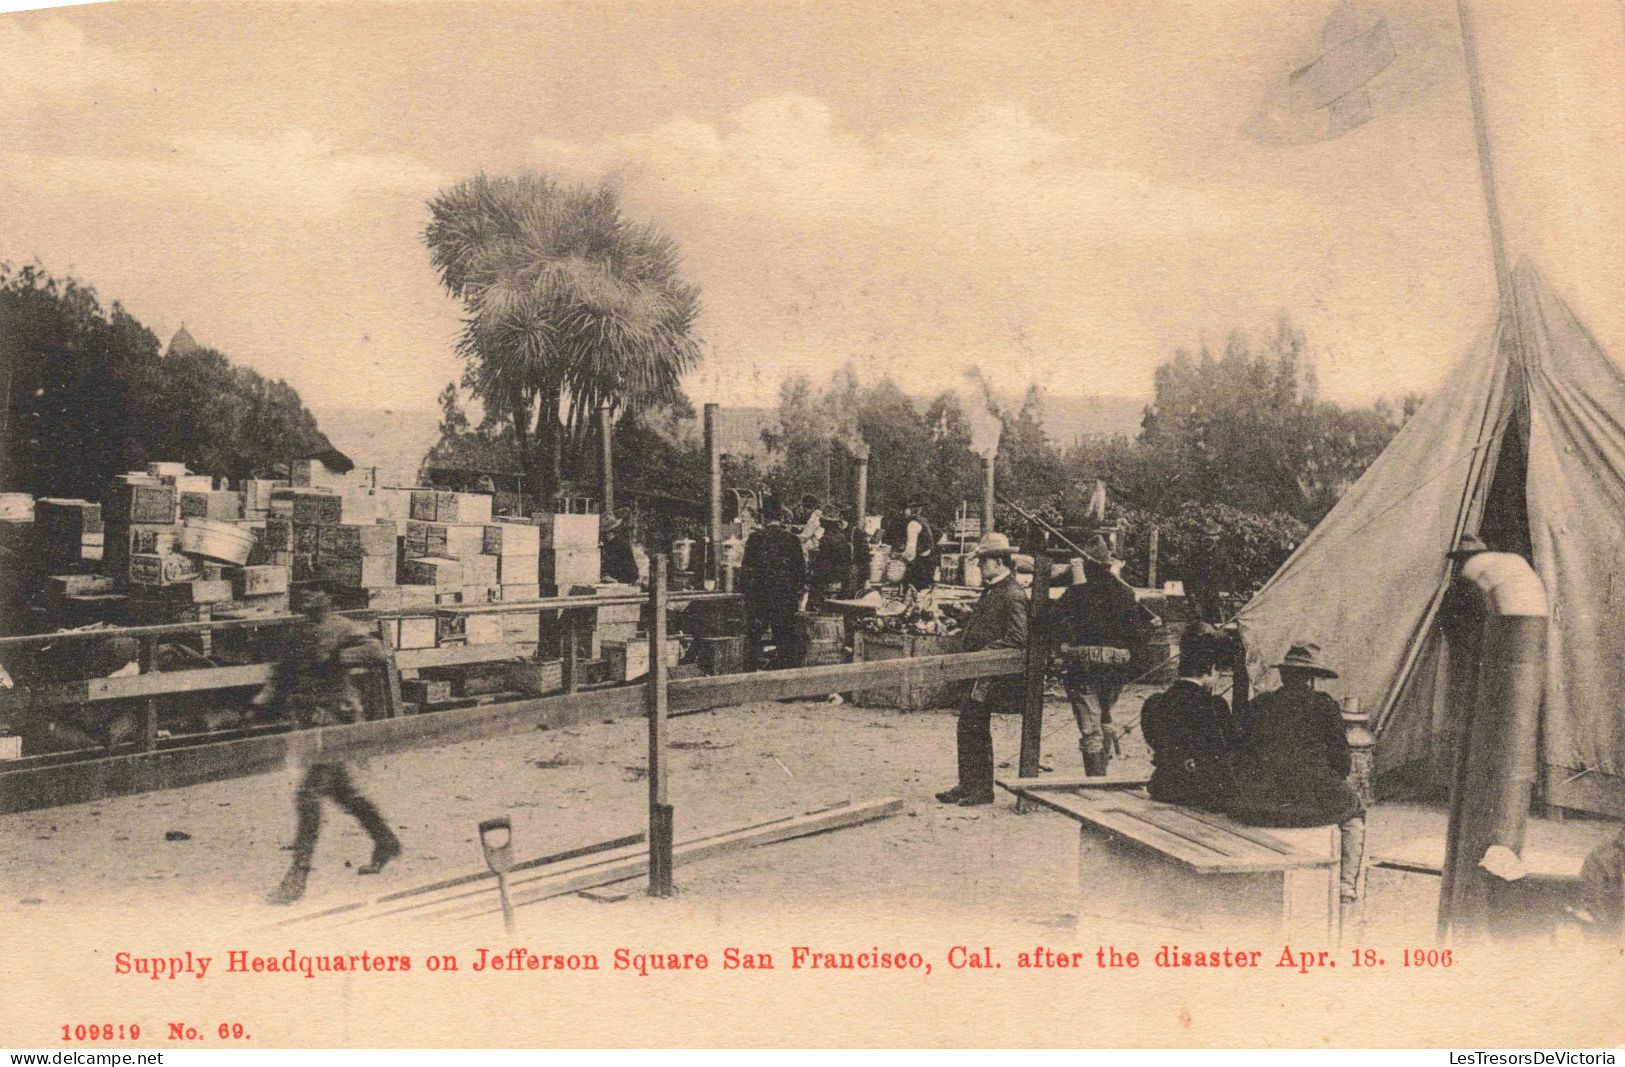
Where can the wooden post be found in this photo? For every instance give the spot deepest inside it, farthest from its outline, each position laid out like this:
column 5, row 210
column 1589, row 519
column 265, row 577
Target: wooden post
column 713, row 527
column 148, row 663
column 988, row 463
column 660, row 813
column 1151, row 566
column 860, row 490
column 569, row 657
column 1032, row 707
column 606, row 473
column 389, row 676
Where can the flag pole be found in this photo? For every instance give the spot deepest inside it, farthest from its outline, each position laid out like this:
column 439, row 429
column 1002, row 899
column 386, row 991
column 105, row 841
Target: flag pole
column 1486, row 162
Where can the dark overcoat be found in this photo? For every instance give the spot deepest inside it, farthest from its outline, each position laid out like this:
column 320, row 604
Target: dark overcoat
column 1192, row 741
column 1294, row 766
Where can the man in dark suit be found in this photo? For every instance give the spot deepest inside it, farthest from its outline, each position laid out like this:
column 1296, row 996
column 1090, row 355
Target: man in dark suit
column 998, row 621
column 773, row 579
column 1189, row 728
column 1295, row 764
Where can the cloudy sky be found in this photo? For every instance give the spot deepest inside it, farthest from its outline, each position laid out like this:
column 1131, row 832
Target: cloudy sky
column 1056, row 192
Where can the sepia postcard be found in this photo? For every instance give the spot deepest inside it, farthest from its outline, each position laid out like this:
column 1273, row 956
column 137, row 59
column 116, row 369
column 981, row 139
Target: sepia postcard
column 744, row 524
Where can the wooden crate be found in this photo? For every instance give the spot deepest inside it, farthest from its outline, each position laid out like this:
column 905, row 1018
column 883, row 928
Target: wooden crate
column 567, row 531
column 138, row 503
column 360, row 572
column 513, row 539
column 446, row 575
column 519, row 570
column 722, row 655
column 626, row 661
column 462, row 507
column 425, row 691
column 479, row 569
column 354, row 540
column 483, row 629
column 214, row 504
column 871, row 648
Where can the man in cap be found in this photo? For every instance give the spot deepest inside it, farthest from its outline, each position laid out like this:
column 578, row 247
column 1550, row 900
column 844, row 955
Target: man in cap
column 1294, row 766
column 773, row 581
column 919, row 547
column 312, row 683
column 1095, row 626
column 999, row 620
column 617, row 561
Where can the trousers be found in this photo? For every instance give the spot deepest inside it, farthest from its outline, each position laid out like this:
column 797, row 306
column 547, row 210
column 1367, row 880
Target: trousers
column 331, row 780
column 1092, row 692
column 975, row 748
column 778, row 617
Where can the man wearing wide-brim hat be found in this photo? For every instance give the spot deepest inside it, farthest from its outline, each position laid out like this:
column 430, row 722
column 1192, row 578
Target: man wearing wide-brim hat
column 999, row 620
column 1294, row 766
column 1095, row 627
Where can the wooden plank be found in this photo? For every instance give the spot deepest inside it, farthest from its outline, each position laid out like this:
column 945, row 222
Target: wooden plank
column 1124, row 821
column 457, row 655
column 1258, row 837
column 698, row 694
column 691, row 852
column 1175, row 822
column 1076, row 781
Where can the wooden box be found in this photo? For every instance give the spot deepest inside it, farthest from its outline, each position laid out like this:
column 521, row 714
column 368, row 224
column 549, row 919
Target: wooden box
column 277, row 535
column 257, row 494
column 72, row 518
column 462, row 507
column 224, row 506
column 304, row 567
column 444, row 574
column 135, row 503
column 153, row 569
column 566, row 568
column 307, row 538
column 198, row 591
column 519, row 570
column 629, row 660
column 567, row 531
column 535, row 678
column 425, row 691
column 357, row 572
column 308, row 507
column 415, row 631
column 166, row 469
column 416, row 597
column 521, row 627
column 521, row 592
column 722, row 655
column 351, row 540
column 479, row 569
column 513, row 539
column 480, row 594
column 415, row 543
column 870, row 648
column 262, row 581
column 423, row 504
column 483, row 629
column 460, row 540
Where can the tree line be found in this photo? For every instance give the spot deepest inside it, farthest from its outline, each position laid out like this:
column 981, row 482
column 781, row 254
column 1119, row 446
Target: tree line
column 89, row 393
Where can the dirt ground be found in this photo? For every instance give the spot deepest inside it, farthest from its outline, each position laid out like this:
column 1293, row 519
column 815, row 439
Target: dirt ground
column 117, row 871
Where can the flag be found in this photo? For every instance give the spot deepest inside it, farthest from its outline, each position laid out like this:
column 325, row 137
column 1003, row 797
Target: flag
column 1366, row 62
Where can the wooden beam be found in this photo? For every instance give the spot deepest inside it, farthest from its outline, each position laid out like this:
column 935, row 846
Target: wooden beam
column 546, row 888
column 1075, row 781
column 1032, row 708
column 48, row 786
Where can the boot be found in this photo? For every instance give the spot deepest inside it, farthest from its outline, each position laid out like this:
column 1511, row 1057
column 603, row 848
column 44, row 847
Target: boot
column 383, row 850
column 1095, row 764
column 292, row 886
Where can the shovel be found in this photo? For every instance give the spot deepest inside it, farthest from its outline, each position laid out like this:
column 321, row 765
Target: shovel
column 496, row 838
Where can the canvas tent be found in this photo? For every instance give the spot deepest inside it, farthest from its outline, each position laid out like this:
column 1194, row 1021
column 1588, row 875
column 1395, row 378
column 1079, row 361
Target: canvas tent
column 1524, row 444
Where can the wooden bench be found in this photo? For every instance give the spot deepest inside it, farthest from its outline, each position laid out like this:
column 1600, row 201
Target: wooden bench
column 1178, row 868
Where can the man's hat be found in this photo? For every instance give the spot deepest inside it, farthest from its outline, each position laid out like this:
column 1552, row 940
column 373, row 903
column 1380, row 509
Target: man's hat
column 1469, row 545
column 1306, row 658
column 994, row 544
column 914, row 502
column 771, row 511
column 1098, row 550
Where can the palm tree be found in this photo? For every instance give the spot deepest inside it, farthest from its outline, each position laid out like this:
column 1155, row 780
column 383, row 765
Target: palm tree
column 568, row 306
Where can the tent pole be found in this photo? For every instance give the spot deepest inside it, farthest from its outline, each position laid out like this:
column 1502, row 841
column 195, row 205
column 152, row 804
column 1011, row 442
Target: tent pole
column 1486, row 161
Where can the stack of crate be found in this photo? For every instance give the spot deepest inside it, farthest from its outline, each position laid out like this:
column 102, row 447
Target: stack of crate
column 292, row 529
column 140, row 520
column 569, row 560
column 445, row 546
column 68, row 534
column 357, row 555
column 516, row 546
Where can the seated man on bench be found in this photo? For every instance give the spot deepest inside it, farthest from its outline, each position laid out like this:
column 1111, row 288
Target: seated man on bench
column 1189, row 728
column 1294, row 765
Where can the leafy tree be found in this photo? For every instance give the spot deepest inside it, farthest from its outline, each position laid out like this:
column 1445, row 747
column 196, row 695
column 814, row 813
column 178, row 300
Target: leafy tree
column 89, row 394
column 568, row 306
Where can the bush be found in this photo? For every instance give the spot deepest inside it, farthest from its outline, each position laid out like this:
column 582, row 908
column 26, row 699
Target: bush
column 1211, row 548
